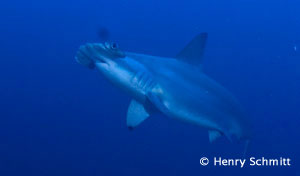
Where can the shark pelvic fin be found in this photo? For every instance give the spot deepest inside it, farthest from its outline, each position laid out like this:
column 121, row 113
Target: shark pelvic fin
column 213, row 135
column 136, row 114
column 193, row 52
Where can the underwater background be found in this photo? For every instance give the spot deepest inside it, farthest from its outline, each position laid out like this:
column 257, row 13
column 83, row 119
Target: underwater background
column 60, row 118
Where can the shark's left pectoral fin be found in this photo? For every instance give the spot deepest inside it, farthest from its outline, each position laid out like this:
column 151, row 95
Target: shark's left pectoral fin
column 213, row 135
column 136, row 114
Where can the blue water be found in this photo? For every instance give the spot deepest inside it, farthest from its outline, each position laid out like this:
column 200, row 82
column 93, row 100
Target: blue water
column 60, row 118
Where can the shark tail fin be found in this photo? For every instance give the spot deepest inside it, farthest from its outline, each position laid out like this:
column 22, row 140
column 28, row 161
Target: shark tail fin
column 246, row 148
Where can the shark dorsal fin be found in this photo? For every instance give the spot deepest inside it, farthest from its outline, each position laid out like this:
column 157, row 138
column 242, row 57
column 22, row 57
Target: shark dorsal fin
column 193, row 51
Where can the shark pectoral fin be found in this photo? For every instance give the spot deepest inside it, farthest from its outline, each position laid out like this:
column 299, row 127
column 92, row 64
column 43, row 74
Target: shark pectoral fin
column 213, row 135
column 193, row 52
column 136, row 114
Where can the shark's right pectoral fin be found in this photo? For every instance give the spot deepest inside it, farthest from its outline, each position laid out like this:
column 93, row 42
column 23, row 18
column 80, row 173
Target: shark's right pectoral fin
column 136, row 114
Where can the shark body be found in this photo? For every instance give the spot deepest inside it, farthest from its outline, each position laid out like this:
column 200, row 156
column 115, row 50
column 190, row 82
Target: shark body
column 176, row 87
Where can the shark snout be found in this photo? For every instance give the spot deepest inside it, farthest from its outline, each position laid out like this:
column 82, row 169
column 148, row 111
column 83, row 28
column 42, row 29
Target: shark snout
column 89, row 54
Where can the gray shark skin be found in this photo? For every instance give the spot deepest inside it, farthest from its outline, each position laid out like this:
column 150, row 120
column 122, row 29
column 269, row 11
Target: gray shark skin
column 176, row 87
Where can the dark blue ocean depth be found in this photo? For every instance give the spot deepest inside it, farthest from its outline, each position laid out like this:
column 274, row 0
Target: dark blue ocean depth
column 60, row 118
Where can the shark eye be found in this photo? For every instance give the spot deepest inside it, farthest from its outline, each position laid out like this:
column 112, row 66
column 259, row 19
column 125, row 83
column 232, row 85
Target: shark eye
column 114, row 46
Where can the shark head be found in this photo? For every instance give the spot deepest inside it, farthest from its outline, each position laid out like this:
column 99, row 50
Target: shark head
column 102, row 54
column 113, row 64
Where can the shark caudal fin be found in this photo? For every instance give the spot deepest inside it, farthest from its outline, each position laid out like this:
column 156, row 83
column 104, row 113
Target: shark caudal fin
column 193, row 51
column 246, row 148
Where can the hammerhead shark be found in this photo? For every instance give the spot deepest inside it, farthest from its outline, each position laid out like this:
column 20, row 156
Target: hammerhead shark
column 174, row 86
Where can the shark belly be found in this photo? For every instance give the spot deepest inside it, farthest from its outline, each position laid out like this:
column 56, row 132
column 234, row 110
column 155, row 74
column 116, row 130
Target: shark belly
column 181, row 105
column 202, row 110
column 202, row 102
